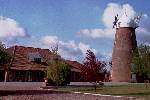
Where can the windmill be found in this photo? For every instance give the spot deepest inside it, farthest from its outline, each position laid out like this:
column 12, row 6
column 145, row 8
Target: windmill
column 125, row 44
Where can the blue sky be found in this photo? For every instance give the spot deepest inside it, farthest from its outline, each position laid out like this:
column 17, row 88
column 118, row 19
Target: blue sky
column 46, row 21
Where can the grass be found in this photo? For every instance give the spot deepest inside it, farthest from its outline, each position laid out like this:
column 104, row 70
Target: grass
column 134, row 90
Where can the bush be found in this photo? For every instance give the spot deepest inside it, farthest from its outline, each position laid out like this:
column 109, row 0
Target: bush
column 58, row 73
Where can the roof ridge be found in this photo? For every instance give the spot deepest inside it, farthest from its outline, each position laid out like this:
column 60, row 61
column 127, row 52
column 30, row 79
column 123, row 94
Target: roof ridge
column 28, row 47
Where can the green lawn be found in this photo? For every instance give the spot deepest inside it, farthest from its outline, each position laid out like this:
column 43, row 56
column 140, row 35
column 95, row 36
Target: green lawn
column 134, row 90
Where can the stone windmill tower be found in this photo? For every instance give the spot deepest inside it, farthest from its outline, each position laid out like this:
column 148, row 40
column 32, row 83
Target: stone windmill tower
column 124, row 45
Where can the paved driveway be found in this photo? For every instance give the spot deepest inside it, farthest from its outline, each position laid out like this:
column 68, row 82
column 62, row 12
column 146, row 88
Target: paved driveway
column 20, row 85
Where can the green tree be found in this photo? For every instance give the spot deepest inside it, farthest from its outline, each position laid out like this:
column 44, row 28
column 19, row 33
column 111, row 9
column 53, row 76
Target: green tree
column 58, row 73
column 5, row 59
column 141, row 62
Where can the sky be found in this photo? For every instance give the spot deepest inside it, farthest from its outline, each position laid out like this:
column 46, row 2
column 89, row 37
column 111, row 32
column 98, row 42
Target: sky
column 75, row 25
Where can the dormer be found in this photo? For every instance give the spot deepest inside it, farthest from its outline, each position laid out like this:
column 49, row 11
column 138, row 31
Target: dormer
column 35, row 57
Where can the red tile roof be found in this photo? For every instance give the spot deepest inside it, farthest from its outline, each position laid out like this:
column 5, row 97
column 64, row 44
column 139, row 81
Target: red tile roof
column 74, row 64
column 21, row 59
column 22, row 62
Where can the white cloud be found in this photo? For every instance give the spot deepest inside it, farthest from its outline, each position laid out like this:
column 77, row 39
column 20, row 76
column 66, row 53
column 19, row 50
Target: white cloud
column 113, row 9
column 10, row 30
column 84, row 47
column 67, row 49
column 98, row 33
column 145, row 22
column 50, row 40
column 109, row 14
column 142, row 32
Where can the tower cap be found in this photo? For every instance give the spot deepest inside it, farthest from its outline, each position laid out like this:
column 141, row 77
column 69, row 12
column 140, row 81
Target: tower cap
column 127, row 21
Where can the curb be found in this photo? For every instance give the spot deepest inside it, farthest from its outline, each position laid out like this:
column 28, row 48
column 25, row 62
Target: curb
column 123, row 97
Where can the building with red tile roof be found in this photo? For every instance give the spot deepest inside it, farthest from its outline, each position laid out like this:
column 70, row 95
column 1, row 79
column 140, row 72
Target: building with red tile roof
column 30, row 64
column 76, row 68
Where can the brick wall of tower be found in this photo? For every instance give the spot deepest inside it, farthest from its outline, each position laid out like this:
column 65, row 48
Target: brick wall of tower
column 124, row 44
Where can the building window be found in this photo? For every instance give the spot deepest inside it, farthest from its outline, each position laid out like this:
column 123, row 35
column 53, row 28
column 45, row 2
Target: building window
column 38, row 60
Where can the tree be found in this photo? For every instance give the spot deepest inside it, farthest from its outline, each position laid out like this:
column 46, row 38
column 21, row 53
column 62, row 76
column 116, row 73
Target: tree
column 93, row 70
column 141, row 63
column 5, row 59
column 58, row 71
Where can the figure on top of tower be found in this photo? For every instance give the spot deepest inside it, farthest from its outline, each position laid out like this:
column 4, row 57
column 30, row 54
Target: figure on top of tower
column 115, row 22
